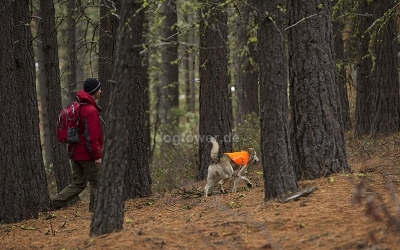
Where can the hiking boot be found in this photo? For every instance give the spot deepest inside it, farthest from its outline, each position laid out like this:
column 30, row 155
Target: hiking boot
column 55, row 205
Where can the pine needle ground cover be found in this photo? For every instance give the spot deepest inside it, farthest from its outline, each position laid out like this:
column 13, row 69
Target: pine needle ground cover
column 340, row 214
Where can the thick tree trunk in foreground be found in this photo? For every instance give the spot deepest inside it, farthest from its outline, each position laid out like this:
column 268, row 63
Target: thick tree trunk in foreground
column 279, row 176
column 215, row 105
column 318, row 144
column 34, row 175
column 125, row 139
column 107, row 49
column 61, row 164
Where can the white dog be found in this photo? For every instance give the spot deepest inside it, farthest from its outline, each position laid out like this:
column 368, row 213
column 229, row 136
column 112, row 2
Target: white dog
column 229, row 165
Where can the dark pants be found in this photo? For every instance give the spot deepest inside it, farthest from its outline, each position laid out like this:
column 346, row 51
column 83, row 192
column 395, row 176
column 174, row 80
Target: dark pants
column 82, row 172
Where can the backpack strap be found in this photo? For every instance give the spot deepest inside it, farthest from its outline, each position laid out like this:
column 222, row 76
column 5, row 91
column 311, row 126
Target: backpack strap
column 79, row 111
column 72, row 145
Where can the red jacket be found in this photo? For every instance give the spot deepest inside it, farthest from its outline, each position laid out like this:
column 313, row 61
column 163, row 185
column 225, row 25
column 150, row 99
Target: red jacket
column 90, row 146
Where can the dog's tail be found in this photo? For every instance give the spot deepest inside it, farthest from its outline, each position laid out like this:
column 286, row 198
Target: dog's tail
column 214, row 150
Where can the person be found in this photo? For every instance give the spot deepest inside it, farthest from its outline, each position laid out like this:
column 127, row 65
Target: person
column 86, row 155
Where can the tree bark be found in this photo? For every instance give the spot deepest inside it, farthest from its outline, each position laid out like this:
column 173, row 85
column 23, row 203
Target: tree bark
column 126, row 153
column 385, row 113
column 190, row 64
column 11, row 172
column 61, row 164
column 318, row 144
column 246, row 84
column 44, row 120
column 279, row 176
column 168, row 93
column 169, row 87
column 215, row 107
column 338, row 27
column 72, row 53
column 364, row 69
column 107, row 41
column 34, row 175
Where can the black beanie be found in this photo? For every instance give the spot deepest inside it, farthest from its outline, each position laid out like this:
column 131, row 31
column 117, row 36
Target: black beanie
column 91, row 85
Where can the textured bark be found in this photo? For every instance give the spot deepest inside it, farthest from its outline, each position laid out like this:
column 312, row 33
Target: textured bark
column 146, row 87
column 61, row 164
column 338, row 27
column 377, row 105
column 44, row 119
column 125, row 171
column 364, row 68
column 190, row 65
column 137, row 174
column 215, row 107
column 385, row 113
column 246, row 64
column 168, row 93
column 318, row 144
column 169, row 85
column 11, row 171
column 72, row 53
column 34, row 176
column 279, row 176
column 108, row 36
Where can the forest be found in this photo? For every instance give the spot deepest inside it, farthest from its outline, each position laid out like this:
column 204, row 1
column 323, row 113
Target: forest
column 311, row 86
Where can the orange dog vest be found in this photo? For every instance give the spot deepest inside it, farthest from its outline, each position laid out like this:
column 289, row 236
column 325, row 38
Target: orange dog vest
column 241, row 158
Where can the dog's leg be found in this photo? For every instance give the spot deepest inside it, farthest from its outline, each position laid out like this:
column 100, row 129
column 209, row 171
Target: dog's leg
column 224, row 173
column 220, row 185
column 212, row 176
column 247, row 181
column 239, row 177
column 235, row 183
column 207, row 187
column 243, row 178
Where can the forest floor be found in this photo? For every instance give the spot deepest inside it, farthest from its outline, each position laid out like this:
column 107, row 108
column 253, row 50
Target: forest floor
column 329, row 218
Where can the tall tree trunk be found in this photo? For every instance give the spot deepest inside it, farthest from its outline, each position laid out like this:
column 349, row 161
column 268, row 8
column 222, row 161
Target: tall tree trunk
column 385, row 113
column 169, row 87
column 279, row 176
column 338, row 27
column 215, row 106
column 61, row 165
column 364, row 68
column 80, row 31
column 72, row 53
column 11, row 172
column 246, row 64
column 190, row 65
column 137, row 174
column 125, row 149
column 108, row 36
column 34, row 179
column 318, row 144
column 44, row 120
column 168, row 93
column 146, row 87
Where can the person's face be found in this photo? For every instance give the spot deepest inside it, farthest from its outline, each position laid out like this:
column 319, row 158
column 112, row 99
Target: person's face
column 96, row 95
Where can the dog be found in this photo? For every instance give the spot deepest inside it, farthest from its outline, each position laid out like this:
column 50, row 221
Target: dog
column 229, row 165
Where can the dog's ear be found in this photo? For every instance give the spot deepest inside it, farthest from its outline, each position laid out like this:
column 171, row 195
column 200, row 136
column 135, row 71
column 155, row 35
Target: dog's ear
column 251, row 151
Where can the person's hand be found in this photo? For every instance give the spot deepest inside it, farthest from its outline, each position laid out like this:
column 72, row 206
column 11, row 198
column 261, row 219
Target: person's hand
column 97, row 162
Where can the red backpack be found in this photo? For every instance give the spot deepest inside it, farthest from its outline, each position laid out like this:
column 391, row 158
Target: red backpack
column 68, row 123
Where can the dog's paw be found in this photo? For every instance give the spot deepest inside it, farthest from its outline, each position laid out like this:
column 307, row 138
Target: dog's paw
column 249, row 185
